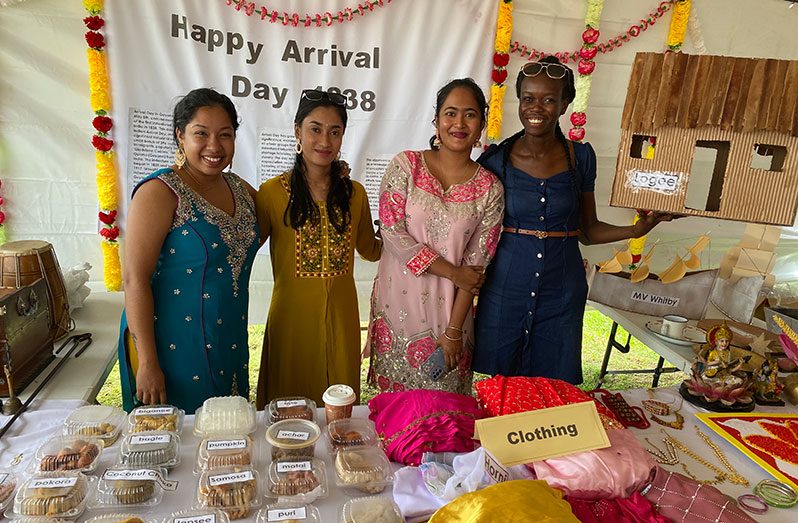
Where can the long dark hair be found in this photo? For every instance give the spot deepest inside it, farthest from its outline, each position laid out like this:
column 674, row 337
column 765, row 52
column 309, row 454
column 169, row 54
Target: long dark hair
column 443, row 93
column 301, row 206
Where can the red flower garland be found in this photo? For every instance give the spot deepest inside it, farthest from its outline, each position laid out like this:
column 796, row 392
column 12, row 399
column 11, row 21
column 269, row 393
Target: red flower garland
column 606, row 47
column 95, row 40
column 94, row 23
column 306, row 20
column 102, row 123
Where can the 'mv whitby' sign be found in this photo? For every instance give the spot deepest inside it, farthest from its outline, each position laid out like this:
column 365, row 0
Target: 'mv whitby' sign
column 655, row 299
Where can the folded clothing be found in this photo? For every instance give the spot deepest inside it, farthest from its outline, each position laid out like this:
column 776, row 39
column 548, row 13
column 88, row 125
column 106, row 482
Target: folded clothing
column 634, row 509
column 413, row 422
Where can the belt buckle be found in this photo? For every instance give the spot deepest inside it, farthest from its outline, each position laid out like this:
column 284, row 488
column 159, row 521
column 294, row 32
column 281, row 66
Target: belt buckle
column 541, row 234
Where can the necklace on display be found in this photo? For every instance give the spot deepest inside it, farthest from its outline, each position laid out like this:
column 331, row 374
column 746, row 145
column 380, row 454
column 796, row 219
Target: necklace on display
column 663, row 408
column 730, row 474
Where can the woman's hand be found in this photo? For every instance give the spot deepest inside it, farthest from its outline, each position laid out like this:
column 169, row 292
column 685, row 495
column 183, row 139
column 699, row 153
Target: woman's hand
column 649, row 219
column 469, row 277
column 452, row 349
column 150, row 385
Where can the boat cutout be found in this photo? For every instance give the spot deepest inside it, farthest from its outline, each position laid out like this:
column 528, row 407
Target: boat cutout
column 681, row 264
column 642, row 271
column 617, row 262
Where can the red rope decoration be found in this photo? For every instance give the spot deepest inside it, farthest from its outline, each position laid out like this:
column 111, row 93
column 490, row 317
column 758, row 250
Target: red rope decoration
column 307, row 20
column 610, row 45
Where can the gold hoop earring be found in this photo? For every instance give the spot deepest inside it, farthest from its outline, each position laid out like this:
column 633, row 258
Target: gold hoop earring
column 298, row 147
column 180, row 157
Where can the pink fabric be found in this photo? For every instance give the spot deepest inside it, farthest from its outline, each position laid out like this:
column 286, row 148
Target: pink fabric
column 634, row 509
column 614, row 472
column 413, row 422
column 421, row 222
column 680, row 498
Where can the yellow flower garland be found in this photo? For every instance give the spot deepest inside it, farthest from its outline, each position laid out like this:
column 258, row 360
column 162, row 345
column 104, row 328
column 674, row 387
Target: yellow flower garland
column 504, row 31
column 678, row 27
column 106, row 169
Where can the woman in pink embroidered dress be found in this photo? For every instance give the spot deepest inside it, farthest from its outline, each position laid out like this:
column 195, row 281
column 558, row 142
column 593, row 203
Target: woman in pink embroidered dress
column 440, row 219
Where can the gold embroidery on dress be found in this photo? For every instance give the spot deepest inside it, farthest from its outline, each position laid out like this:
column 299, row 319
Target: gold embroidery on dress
column 320, row 250
column 238, row 232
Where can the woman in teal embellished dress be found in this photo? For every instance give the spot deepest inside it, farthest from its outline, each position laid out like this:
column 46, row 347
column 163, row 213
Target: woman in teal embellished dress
column 191, row 239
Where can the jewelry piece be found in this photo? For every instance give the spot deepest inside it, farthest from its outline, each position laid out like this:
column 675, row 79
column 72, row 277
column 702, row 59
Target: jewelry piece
column 450, row 338
column 734, row 476
column 677, row 424
column 478, row 143
column 626, row 414
column 458, row 329
column 776, row 494
column 298, row 146
column 758, row 507
column 664, row 457
column 719, row 474
column 180, row 157
column 660, row 408
column 436, row 143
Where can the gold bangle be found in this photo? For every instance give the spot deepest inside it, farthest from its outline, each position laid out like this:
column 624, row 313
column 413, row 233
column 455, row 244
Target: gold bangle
column 450, row 338
column 458, row 329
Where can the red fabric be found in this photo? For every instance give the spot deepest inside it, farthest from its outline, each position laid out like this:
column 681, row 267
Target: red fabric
column 502, row 395
column 634, row 509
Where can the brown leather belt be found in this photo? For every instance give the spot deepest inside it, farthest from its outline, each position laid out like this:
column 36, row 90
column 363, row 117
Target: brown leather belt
column 542, row 234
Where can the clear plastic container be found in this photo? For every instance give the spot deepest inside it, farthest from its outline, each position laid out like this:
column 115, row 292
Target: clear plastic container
column 363, row 468
column 231, row 489
column 155, row 448
column 100, row 421
column 123, row 518
column 156, row 417
column 197, row 515
column 302, row 481
column 8, row 483
column 38, row 519
column 225, row 451
column 351, row 432
column 55, row 494
column 123, row 487
column 371, row 510
column 288, row 513
column 293, row 439
column 295, row 407
column 79, row 453
column 225, row 415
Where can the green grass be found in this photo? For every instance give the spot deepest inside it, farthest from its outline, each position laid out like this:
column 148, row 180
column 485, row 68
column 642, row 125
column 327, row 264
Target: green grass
column 595, row 332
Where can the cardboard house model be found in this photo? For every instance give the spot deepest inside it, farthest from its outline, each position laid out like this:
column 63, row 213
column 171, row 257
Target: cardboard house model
column 710, row 136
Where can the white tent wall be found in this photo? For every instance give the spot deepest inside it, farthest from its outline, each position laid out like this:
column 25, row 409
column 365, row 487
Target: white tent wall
column 47, row 162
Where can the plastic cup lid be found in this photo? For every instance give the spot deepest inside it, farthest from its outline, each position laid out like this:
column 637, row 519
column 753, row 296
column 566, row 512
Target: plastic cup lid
column 339, row 395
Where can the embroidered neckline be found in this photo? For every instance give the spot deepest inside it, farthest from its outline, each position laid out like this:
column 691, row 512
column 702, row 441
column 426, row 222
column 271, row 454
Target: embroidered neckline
column 235, row 230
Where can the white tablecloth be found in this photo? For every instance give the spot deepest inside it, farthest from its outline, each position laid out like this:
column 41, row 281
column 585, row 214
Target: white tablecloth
column 47, row 420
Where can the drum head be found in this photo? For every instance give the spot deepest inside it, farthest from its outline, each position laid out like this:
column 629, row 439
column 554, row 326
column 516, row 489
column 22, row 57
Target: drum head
column 23, row 247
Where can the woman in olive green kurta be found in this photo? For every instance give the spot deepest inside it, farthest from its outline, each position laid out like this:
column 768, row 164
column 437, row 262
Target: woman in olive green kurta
column 312, row 337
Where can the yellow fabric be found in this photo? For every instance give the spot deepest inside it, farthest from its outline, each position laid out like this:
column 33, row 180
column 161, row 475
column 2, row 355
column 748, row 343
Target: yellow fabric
column 132, row 353
column 312, row 337
column 516, row 501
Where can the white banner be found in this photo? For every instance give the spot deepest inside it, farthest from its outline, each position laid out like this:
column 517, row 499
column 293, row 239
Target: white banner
column 389, row 63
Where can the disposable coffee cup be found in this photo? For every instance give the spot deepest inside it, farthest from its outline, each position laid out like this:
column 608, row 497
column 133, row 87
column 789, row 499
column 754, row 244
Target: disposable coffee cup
column 673, row 325
column 338, row 402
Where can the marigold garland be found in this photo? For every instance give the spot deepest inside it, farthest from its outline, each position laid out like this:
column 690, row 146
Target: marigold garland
column 501, row 57
column 604, row 47
column 307, row 20
column 678, row 27
column 104, row 156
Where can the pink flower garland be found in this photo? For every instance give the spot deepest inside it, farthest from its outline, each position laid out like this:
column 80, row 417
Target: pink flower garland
column 307, row 20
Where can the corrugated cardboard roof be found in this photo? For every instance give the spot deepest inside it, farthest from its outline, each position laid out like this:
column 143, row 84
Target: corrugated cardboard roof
column 689, row 91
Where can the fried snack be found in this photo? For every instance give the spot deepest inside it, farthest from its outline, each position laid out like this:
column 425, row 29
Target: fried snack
column 150, row 422
column 102, row 430
column 53, row 501
column 357, row 471
column 294, row 483
column 133, row 519
column 234, row 498
column 294, row 412
column 216, row 460
column 80, row 454
column 132, row 492
column 343, row 440
column 6, row 489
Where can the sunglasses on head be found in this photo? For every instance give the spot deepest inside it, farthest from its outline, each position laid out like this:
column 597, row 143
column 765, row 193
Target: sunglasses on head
column 553, row 71
column 315, row 95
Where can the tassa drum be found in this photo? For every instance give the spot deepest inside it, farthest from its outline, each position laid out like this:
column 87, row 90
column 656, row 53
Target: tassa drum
column 24, row 262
